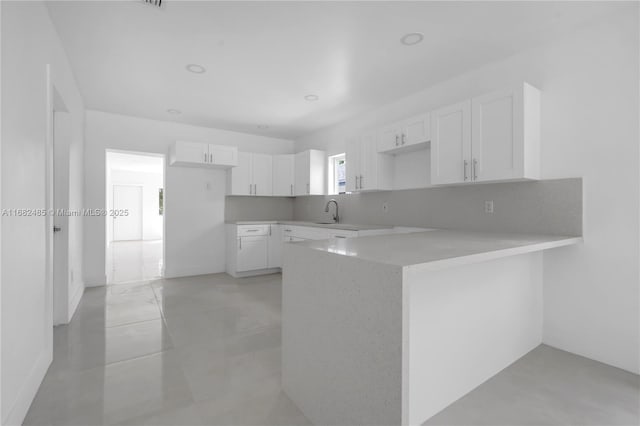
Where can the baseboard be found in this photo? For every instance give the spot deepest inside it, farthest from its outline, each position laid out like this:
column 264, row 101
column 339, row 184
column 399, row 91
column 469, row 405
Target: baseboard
column 75, row 301
column 254, row 273
column 15, row 416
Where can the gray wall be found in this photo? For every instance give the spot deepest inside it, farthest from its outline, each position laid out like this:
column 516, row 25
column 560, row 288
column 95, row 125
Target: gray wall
column 257, row 208
column 551, row 207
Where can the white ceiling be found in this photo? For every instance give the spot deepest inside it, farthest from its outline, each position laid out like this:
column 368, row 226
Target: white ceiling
column 262, row 58
column 135, row 162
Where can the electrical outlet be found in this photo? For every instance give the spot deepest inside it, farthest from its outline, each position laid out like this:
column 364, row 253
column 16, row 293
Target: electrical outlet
column 488, row 206
column 385, row 207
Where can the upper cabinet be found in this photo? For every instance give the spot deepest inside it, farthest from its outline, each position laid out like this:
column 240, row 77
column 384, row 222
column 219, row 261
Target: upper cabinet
column 309, row 172
column 283, row 175
column 252, row 176
column 366, row 169
column 406, row 135
column 198, row 154
column 494, row 137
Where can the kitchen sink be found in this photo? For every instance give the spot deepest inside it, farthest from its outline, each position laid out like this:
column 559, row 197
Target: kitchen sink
column 325, row 223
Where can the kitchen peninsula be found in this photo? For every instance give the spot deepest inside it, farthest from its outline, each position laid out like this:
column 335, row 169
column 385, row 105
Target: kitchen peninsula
column 391, row 329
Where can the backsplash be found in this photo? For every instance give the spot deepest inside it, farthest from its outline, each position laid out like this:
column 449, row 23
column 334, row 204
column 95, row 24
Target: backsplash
column 552, row 207
column 237, row 208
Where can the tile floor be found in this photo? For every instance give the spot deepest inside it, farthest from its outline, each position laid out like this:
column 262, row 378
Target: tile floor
column 129, row 261
column 206, row 351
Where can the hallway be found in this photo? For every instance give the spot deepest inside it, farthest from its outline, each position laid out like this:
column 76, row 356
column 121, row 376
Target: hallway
column 129, row 261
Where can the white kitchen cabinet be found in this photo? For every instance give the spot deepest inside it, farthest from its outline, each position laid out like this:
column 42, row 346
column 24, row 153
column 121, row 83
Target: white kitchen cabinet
column 366, row 169
column 451, row 144
column 309, row 172
column 248, row 249
column 252, row 176
column 283, row 175
column 505, row 135
column 405, row 136
column 252, row 253
column 494, row 137
column 275, row 246
column 198, row 154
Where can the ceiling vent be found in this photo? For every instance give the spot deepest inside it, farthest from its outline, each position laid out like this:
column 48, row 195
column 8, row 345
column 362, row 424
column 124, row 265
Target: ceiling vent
column 157, row 3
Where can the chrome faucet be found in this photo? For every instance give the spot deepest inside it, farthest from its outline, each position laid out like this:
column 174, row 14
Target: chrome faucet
column 336, row 218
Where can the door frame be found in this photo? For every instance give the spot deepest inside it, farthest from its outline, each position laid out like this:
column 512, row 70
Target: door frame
column 140, row 201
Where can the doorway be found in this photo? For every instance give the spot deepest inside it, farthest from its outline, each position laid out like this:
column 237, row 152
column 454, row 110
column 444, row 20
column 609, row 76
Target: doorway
column 135, row 219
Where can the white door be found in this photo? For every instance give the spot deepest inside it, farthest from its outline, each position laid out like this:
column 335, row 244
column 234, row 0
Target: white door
column 352, row 165
column 191, row 152
column 303, row 170
column 494, row 146
column 252, row 253
column 127, row 226
column 223, row 155
column 451, row 144
column 389, row 138
column 416, row 130
column 368, row 163
column 241, row 175
column 283, row 175
column 262, row 174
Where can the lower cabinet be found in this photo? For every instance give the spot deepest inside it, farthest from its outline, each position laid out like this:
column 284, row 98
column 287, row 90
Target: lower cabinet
column 253, row 253
column 274, row 257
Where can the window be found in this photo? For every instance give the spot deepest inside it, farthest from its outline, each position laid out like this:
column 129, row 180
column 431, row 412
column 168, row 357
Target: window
column 337, row 174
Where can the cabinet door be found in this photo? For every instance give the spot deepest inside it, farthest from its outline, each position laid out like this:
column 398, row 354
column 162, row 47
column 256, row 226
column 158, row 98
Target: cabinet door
column 368, row 163
column 352, row 165
column 496, row 149
column 191, row 152
column 415, row 130
column 275, row 246
column 317, row 167
column 262, row 174
column 223, row 155
column 283, row 175
column 241, row 175
column 252, row 253
column 451, row 144
column 389, row 138
column 302, row 167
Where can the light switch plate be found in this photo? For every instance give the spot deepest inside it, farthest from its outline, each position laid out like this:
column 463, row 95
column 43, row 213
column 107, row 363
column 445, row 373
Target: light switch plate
column 488, row 206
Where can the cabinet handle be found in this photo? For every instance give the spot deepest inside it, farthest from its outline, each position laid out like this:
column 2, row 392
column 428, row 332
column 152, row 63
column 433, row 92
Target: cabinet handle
column 250, row 189
column 269, row 230
column 205, row 157
column 356, row 181
column 240, row 241
column 255, row 189
column 361, row 180
column 403, row 137
column 465, row 163
column 396, row 140
column 211, row 158
column 308, row 188
column 475, row 169
column 291, row 189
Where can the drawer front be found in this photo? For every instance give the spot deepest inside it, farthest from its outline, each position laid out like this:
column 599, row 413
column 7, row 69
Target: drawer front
column 310, row 233
column 339, row 233
column 252, row 230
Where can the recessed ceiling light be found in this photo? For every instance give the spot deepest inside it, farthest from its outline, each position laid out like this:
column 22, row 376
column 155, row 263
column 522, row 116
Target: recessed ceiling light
column 174, row 111
column 196, row 69
column 311, row 98
column 263, row 126
column 411, row 39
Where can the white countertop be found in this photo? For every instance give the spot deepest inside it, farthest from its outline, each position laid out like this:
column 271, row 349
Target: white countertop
column 438, row 248
column 343, row 226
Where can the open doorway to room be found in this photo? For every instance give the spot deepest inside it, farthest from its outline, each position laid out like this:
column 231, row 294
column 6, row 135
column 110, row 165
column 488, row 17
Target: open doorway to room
column 135, row 219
